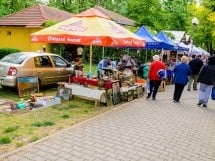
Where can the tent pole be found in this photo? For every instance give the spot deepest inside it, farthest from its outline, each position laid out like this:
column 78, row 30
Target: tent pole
column 146, row 56
column 91, row 53
column 161, row 54
column 103, row 52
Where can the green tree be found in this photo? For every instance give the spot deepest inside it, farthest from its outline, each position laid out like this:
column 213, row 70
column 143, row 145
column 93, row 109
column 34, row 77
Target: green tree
column 147, row 12
column 202, row 34
column 76, row 6
column 210, row 4
column 11, row 6
column 177, row 13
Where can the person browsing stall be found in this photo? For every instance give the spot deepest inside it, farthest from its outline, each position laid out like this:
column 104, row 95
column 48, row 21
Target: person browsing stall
column 78, row 68
column 104, row 63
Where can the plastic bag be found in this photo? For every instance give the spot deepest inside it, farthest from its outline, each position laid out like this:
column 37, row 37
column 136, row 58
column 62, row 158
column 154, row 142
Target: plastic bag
column 147, row 87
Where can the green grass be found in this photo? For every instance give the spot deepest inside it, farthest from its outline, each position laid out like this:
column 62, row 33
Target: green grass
column 5, row 140
column 65, row 116
column 87, row 68
column 17, row 130
column 43, row 123
column 10, row 129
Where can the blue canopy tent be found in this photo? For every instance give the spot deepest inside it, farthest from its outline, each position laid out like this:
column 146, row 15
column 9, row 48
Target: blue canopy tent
column 161, row 35
column 152, row 42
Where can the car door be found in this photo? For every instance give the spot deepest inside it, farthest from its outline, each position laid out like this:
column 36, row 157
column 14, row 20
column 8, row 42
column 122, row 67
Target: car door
column 45, row 69
column 62, row 69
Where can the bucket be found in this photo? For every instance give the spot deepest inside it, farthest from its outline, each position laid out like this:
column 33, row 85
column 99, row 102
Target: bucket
column 21, row 105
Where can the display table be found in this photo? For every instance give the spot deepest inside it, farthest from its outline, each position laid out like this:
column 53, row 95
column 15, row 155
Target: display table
column 93, row 82
column 127, row 93
column 87, row 93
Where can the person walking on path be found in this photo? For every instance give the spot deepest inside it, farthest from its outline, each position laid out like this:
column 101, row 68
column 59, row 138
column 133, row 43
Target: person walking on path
column 154, row 79
column 195, row 66
column 180, row 79
column 206, row 81
column 145, row 76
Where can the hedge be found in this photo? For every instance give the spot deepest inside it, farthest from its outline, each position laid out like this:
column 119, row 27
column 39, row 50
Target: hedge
column 6, row 51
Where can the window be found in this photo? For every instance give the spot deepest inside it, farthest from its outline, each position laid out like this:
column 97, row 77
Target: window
column 15, row 58
column 42, row 61
column 58, row 62
column 37, row 62
column 9, row 33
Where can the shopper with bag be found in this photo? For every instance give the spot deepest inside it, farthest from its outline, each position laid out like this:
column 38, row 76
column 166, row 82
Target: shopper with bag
column 154, row 78
column 206, row 81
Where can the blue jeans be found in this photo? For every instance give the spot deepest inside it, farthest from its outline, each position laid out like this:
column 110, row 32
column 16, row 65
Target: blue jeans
column 204, row 93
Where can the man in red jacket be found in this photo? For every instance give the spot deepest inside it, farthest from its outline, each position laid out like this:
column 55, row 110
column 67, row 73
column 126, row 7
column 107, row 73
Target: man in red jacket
column 154, row 79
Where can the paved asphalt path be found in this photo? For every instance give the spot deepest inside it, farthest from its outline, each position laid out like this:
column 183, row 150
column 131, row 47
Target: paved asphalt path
column 139, row 130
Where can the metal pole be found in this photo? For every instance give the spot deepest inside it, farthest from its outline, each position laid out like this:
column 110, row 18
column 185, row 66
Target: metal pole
column 103, row 52
column 91, row 55
column 192, row 37
column 146, row 56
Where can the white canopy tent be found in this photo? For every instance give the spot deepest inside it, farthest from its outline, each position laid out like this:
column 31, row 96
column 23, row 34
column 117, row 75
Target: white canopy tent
column 204, row 51
column 193, row 50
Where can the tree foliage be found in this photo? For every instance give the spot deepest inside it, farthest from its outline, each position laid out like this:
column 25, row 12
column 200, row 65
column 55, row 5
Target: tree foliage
column 147, row 12
column 76, row 6
column 11, row 6
column 177, row 12
column 202, row 34
column 210, row 4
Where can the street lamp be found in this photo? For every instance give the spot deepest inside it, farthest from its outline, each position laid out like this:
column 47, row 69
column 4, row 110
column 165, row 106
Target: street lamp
column 195, row 23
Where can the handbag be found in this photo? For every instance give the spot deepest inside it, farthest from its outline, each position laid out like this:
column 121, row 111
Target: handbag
column 213, row 93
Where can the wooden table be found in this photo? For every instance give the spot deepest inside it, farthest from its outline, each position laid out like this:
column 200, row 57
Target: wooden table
column 87, row 93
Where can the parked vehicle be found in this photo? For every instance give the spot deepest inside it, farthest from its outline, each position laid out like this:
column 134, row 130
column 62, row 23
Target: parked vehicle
column 49, row 68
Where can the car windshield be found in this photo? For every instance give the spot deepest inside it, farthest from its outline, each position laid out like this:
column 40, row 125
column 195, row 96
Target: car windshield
column 16, row 58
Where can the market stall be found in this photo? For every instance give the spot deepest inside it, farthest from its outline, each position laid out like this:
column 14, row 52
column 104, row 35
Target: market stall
column 93, row 28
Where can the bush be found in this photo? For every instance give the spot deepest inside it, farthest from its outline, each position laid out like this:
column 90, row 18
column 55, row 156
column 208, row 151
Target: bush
column 6, row 51
column 11, row 129
column 65, row 116
column 44, row 123
column 5, row 140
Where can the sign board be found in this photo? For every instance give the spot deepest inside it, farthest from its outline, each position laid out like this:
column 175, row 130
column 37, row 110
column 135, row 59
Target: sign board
column 116, row 92
column 27, row 85
column 64, row 93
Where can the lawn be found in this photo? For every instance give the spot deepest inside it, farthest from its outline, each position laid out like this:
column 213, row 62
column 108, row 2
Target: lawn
column 87, row 68
column 20, row 129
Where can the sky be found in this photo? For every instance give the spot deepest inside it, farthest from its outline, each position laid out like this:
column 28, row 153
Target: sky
column 198, row 2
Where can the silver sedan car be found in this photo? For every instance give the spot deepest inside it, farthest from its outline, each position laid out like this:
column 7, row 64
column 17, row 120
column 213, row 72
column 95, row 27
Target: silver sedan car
column 49, row 68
